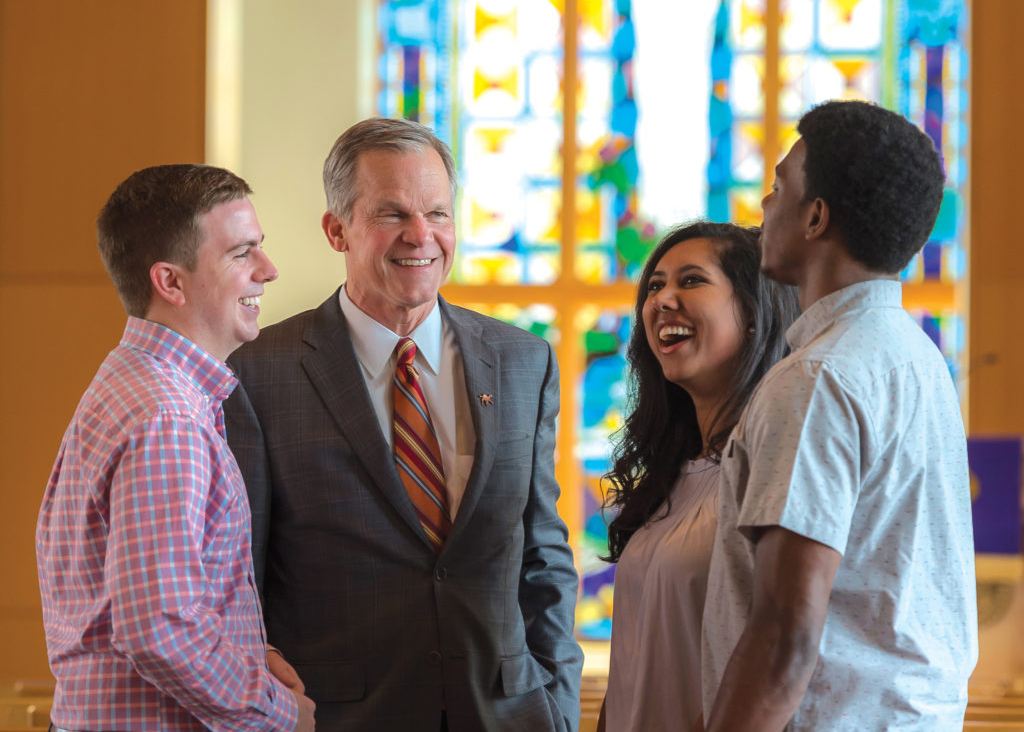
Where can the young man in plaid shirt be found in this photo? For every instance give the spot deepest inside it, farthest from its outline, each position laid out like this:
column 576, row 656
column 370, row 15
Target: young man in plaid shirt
column 143, row 543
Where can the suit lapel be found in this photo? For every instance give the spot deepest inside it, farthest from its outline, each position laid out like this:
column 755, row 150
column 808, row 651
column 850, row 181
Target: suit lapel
column 481, row 365
column 335, row 373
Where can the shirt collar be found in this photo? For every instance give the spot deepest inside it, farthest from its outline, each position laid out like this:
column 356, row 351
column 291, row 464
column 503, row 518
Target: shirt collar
column 375, row 344
column 208, row 372
column 850, row 299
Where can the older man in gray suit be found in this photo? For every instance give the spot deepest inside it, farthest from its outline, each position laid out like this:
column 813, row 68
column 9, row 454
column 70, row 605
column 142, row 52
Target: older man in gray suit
column 398, row 453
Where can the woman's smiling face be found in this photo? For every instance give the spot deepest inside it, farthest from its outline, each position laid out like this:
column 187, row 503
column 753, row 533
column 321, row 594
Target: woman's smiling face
column 692, row 319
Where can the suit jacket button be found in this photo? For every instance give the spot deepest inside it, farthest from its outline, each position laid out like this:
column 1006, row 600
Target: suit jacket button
column 440, row 574
column 434, row 659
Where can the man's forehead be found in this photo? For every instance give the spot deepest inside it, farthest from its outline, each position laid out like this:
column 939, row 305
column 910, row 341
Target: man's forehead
column 379, row 169
column 237, row 217
column 230, row 207
column 794, row 158
column 368, row 160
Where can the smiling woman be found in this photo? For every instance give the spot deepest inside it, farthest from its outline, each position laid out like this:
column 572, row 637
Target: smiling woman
column 708, row 326
column 693, row 324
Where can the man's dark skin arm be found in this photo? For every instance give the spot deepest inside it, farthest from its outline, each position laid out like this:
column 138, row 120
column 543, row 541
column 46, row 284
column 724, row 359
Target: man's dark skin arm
column 772, row 664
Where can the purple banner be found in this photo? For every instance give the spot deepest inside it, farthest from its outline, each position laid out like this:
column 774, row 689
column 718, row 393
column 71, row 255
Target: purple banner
column 996, row 482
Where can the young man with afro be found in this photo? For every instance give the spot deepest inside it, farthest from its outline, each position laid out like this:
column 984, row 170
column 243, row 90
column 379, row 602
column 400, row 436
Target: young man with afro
column 841, row 593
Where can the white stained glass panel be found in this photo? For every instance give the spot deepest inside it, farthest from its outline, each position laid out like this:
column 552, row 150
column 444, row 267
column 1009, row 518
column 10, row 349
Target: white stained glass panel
column 540, row 25
column 748, row 152
column 797, row 30
column 542, row 268
column 595, row 87
column 545, row 85
column 841, row 79
column 671, row 83
column 849, row 25
column 746, row 21
column 487, row 218
column 542, row 206
column 746, row 91
column 794, row 83
column 540, row 151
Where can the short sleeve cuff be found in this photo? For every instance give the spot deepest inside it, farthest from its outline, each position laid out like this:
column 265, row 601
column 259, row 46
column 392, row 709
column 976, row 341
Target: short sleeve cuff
column 824, row 532
column 804, row 442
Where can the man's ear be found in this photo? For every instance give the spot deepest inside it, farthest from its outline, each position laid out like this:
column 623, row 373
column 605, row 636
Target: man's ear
column 166, row 279
column 817, row 219
column 334, row 229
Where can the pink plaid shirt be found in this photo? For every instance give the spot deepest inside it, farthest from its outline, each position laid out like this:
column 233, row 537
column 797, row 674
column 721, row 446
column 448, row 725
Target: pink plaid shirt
column 143, row 548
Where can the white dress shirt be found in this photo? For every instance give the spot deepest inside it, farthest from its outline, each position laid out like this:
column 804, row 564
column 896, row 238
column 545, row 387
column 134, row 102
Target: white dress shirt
column 442, row 378
column 855, row 441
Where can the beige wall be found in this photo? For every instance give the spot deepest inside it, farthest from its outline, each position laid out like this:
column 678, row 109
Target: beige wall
column 302, row 84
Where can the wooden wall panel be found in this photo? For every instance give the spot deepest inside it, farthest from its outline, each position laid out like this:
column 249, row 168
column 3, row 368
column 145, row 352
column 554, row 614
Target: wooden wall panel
column 89, row 92
column 62, row 332
column 996, row 367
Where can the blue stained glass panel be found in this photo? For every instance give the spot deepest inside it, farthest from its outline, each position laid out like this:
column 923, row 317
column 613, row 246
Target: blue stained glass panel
column 603, row 399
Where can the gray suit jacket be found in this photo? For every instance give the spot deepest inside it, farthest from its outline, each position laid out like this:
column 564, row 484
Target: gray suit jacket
column 384, row 632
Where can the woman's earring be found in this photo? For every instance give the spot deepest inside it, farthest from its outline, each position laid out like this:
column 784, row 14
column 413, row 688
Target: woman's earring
column 751, row 330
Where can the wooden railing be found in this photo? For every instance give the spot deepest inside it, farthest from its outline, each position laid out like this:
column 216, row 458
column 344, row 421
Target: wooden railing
column 985, row 712
column 25, row 705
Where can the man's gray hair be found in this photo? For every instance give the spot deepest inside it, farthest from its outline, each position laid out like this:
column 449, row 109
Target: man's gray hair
column 377, row 133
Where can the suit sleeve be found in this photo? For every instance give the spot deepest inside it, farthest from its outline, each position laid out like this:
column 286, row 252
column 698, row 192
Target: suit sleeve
column 548, row 583
column 245, row 437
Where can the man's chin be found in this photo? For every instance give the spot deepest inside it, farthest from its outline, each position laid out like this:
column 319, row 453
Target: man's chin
column 247, row 336
column 422, row 294
column 776, row 273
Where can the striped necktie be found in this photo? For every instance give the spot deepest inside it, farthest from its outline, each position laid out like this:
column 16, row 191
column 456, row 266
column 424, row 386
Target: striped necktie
column 417, row 455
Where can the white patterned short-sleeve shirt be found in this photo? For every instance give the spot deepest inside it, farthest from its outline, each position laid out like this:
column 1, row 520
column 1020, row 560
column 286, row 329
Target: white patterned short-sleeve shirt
column 856, row 441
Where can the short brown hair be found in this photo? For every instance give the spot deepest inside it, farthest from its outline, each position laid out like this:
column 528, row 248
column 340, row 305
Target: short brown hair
column 153, row 216
column 376, row 133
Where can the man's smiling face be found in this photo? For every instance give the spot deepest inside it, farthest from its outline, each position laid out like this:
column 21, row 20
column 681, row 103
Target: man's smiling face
column 400, row 238
column 222, row 292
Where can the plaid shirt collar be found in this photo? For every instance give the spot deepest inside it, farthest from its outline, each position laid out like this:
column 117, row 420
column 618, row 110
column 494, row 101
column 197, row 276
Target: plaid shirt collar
column 208, row 373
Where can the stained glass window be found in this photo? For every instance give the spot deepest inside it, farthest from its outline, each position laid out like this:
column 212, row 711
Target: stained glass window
column 485, row 74
column 415, row 61
column 603, row 403
column 906, row 55
column 736, row 168
column 681, row 108
column 539, row 319
column 932, row 64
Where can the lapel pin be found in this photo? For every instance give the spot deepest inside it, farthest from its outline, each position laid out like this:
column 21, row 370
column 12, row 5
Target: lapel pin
column 486, row 399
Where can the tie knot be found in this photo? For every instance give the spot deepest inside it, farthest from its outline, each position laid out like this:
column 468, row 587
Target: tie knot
column 406, row 351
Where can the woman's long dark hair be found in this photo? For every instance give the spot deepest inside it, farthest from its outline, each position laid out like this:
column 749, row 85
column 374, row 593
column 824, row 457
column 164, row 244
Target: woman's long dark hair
column 662, row 431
